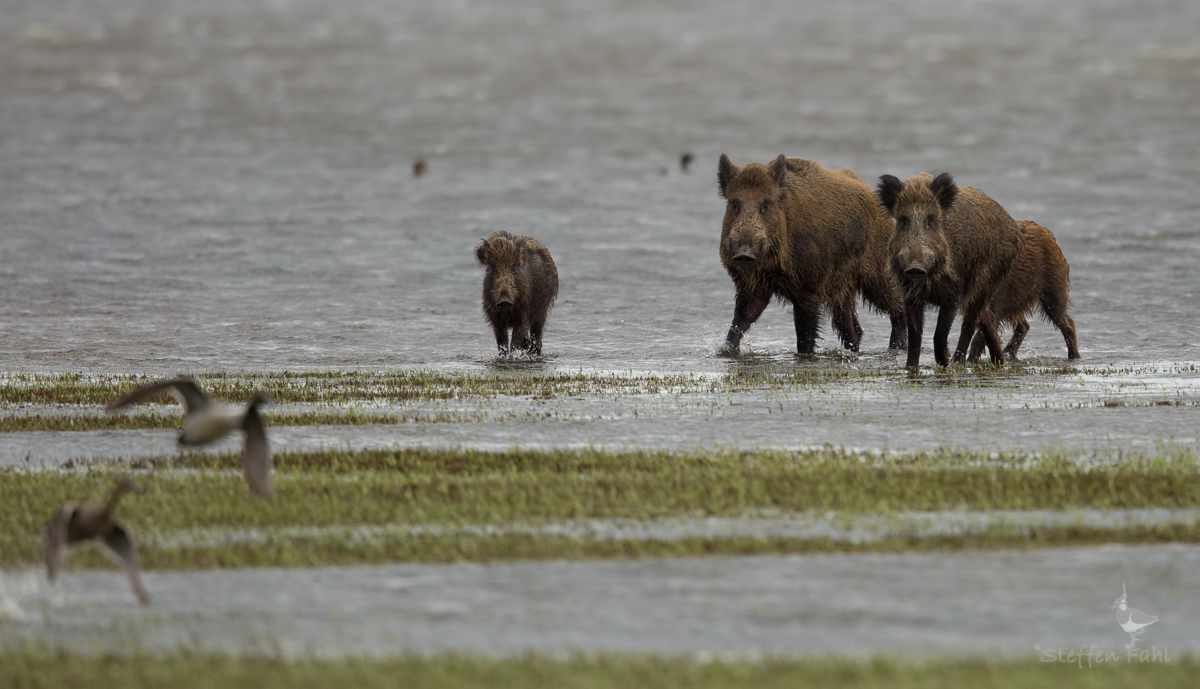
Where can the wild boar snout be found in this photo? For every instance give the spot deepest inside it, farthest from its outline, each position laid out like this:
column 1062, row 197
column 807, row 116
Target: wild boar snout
column 744, row 250
column 914, row 260
column 503, row 297
column 745, row 256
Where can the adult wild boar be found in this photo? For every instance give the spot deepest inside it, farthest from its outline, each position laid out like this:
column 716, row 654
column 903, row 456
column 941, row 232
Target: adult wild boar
column 520, row 283
column 815, row 237
column 1039, row 277
column 952, row 247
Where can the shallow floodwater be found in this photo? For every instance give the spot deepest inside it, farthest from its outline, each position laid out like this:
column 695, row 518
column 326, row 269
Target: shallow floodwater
column 1103, row 414
column 189, row 187
column 223, row 185
column 991, row 603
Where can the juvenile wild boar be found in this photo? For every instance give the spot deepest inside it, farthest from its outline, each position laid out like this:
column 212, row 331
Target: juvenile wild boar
column 952, row 247
column 1039, row 277
column 816, row 237
column 519, row 286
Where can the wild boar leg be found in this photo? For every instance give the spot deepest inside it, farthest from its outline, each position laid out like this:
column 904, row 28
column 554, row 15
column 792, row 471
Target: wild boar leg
column 978, row 343
column 1054, row 305
column 1020, row 328
column 978, row 317
column 520, row 335
column 1067, row 326
column 535, row 337
column 501, row 332
column 806, row 312
column 845, row 321
column 914, row 312
column 941, row 334
column 747, row 307
column 898, row 339
column 979, row 340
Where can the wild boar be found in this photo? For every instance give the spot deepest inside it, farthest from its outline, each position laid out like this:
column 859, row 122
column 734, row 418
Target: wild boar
column 815, row 237
column 520, row 284
column 952, row 247
column 1039, row 277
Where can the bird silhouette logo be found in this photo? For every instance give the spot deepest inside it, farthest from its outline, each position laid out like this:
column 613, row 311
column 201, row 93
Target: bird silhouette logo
column 1134, row 622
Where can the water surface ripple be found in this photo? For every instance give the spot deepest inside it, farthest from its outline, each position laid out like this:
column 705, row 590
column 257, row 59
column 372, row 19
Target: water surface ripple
column 223, row 185
column 991, row 603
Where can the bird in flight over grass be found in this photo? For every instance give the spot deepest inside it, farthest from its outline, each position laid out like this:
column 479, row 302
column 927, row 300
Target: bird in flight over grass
column 207, row 420
column 78, row 522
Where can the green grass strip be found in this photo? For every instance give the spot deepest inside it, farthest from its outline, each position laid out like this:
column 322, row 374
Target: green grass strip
column 421, row 384
column 34, row 669
column 457, row 547
column 451, row 487
column 114, row 422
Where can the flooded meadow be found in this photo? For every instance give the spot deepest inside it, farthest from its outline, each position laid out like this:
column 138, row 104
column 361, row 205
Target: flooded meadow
column 225, row 190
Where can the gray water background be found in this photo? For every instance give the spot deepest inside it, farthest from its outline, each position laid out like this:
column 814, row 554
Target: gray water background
column 990, row 604
column 226, row 185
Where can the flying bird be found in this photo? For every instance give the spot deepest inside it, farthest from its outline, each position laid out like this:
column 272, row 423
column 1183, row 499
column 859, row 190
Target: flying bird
column 1131, row 620
column 207, row 420
column 77, row 522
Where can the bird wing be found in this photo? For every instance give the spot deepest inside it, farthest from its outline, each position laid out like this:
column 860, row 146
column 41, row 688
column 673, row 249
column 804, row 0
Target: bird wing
column 120, row 545
column 1141, row 618
column 56, row 538
column 256, row 456
column 194, row 399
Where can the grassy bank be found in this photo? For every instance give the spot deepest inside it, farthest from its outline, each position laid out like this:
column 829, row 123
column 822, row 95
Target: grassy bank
column 394, row 386
column 119, row 422
column 34, row 669
column 339, row 387
column 451, row 489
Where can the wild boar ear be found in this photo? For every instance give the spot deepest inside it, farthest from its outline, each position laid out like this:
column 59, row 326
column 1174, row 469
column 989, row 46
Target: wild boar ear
column 482, row 251
column 944, row 190
column 779, row 171
column 725, row 172
column 888, row 191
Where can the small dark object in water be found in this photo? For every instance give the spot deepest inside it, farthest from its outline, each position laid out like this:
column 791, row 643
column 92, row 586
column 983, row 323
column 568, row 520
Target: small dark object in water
column 420, row 167
column 685, row 162
column 1039, row 277
column 952, row 248
column 520, row 284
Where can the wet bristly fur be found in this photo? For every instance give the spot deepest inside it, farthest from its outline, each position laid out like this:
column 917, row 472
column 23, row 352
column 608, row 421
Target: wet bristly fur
column 818, row 238
column 1040, row 277
column 964, row 242
column 518, row 270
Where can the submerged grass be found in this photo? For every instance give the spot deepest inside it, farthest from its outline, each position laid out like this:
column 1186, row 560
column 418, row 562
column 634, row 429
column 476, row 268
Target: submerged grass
column 323, row 551
column 37, row 667
column 348, row 386
column 112, row 422
column 454, row 487
column 423, row 384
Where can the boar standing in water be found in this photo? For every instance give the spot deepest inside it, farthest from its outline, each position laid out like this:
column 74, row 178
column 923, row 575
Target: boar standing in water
column 952, row 247
column 813, row 236
column 519, row 287
column 1039, row 277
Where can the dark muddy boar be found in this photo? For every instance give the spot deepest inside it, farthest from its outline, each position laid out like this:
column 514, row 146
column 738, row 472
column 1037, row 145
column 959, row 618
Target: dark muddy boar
column 815, row 237
column 519, row 287
column 1040, row 277
column 952, row 247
